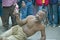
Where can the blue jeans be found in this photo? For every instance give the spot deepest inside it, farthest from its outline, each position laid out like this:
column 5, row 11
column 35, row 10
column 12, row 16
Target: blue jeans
column 0, row 9
column 59, row 14
column 50, row 15
column 43, row 7
column 40, row 7
column 29, row 8
column 53, row 15
column 23, row 12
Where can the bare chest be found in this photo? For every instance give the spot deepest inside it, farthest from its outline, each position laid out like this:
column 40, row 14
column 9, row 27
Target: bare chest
column 30, row 30
column 31, row 22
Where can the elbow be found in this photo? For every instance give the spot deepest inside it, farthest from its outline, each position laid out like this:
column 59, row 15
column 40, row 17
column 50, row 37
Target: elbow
column 43, row 38
column 19, row 24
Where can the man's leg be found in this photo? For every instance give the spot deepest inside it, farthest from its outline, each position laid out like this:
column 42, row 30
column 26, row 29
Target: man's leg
column 59, row 14
column 14, row 34
column 50, row 15
column 55, row 15
column 40, row 7
column 13, row 18
column 8, row 35
column 5, row 18
column 0, row 9
column 30, row 10
column 24, row 13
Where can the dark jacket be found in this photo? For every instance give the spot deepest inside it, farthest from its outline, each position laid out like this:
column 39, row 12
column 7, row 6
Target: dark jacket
column 53, row 1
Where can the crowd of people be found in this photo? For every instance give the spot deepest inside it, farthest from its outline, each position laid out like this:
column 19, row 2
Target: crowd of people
column 30, row 7
column 28, row 17
column 51, row 6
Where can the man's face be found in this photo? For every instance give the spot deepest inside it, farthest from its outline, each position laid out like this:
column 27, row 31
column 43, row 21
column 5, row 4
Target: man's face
column 40, row 15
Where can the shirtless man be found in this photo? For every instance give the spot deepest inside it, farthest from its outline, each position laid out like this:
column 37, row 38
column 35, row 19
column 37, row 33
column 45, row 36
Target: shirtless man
column 30, row 26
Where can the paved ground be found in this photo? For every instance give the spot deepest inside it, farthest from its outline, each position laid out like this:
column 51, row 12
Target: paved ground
column 52, row 33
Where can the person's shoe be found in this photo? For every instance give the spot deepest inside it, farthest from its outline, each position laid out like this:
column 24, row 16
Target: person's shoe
column 54, row 25
column 50, row 25
column 58, row 26
column 5, row 29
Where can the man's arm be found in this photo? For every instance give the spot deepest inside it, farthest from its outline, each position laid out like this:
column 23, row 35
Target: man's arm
column 18, row 19
column 21, row 22
column 43, row 35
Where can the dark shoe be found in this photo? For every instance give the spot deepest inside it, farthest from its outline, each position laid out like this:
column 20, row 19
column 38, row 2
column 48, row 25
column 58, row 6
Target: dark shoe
column 54, row 25
column 5, row 29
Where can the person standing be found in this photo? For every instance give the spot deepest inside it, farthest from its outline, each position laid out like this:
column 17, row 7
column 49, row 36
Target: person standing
column 8, row 9
column 59, row 12
column 0, row 7
column 29, row 7
column 53, row 15
column 42, row 4
column 23, row 10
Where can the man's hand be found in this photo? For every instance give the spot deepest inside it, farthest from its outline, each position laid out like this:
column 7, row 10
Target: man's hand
column 16, row 10
column 15, row 13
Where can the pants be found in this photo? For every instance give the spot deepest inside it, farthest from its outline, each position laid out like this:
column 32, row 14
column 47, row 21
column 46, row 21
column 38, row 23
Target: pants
column 15, row 33
column 29, row 8
column 53, row 15
column 8, row 11
column 59, row 14
column 0, row 9
column 23, row 12
column 43, row 7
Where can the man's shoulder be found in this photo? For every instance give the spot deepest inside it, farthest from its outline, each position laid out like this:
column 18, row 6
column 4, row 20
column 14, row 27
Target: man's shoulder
column 30, row 16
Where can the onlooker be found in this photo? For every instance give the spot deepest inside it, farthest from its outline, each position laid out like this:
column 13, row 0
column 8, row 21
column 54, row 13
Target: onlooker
column 53, row 15
column 23, row 10
column 29, row 7
column 0, row 7
column 42, row 4
column 8, row 8
column 59, row 11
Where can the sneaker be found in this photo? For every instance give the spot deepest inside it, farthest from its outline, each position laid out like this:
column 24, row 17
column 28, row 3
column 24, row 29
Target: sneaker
column 58, row 26
column 5, row 29
column 54, row 25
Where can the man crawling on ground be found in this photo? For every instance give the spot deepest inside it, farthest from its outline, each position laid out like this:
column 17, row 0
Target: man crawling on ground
column 26, row 27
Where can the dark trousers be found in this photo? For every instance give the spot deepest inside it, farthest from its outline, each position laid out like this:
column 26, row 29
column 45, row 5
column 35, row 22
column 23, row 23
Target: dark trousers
column 59, row 14
column 8, row 11
column 0, row 9
column 53, row 14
